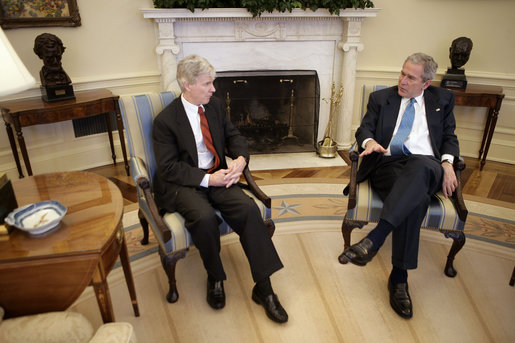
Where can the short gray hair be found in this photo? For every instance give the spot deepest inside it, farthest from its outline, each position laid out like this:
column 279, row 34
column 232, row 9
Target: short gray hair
column 429, row 63
column 190, row 67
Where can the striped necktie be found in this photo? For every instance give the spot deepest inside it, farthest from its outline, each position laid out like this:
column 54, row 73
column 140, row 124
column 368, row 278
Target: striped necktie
column 208, row 141
column 397, row 146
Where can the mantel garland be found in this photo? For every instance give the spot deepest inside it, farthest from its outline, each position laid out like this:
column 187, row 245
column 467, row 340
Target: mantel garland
column 257, row 7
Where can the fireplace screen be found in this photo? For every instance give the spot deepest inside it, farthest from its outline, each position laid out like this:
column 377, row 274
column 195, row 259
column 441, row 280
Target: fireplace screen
column 277, row 111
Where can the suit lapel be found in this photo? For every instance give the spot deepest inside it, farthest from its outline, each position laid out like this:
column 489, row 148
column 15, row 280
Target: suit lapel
column 186, row 132
column 391, row 112
column 433, row 114
column 214, row 128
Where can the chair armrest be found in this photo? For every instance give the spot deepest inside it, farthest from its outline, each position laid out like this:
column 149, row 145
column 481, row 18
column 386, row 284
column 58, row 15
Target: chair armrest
column 142, row 180
column 457, row 196
column 254, row 188
column 350, row 190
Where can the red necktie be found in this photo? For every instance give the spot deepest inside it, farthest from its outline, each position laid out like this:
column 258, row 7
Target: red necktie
column 208, row 141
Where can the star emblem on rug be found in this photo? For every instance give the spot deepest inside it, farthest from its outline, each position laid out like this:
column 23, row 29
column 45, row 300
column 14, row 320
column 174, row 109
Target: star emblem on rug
column 287, row 208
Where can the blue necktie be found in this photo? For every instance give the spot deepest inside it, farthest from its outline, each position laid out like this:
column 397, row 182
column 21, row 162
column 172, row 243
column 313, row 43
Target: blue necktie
column 397, row 146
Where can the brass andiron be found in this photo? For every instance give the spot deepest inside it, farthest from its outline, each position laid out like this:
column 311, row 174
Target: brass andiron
column 291, row 136
column 228, row 104
column 327, row 147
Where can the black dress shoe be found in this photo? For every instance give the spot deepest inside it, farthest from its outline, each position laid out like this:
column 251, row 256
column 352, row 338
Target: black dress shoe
column 272, row 306
column 215, row 294
column 360, row 253
column 400, row 299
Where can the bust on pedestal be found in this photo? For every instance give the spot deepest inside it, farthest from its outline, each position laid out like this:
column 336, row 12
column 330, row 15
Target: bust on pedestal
column 459, row 53
column 55, row 83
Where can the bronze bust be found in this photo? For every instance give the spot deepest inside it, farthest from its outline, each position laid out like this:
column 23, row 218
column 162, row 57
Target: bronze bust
column 55, row 82
column 459, row 54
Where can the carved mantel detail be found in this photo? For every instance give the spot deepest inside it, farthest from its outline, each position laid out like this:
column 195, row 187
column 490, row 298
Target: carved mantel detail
column 307, row 37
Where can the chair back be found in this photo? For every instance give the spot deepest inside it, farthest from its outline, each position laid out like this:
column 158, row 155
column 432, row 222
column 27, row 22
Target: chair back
column 138, row 112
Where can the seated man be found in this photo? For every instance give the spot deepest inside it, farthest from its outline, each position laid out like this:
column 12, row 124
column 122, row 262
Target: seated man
column 190, row 138
column 408, row 145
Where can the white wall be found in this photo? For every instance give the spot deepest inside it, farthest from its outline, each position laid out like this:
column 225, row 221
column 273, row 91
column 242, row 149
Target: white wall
column 115, row 49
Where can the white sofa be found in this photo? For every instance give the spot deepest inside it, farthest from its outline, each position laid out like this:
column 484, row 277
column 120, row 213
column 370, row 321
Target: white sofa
column 62, row 327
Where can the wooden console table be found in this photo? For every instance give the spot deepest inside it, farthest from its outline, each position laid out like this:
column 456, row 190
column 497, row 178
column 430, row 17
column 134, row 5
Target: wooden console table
column 482, row 96
column 34, row 111
column 48, row 272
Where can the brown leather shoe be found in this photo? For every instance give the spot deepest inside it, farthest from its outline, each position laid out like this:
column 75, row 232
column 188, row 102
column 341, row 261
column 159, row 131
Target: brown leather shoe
column 360, row 253
column 272, row 306
column 400, row 299
column 215, row 294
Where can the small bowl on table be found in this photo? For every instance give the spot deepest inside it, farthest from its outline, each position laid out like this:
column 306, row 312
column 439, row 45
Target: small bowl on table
column 37, row 218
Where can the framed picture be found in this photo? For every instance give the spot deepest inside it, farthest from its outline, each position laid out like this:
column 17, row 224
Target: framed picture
column 38, row 13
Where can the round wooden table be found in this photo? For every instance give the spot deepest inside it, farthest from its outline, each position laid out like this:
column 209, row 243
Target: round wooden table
column 48, row 272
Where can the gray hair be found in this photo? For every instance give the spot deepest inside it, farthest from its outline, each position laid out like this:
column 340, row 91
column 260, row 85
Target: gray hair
column 429, row 63
column 190, row 67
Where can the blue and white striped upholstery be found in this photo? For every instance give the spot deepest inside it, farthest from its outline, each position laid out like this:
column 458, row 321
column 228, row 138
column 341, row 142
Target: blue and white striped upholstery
column 138, row 113
column 441, row 214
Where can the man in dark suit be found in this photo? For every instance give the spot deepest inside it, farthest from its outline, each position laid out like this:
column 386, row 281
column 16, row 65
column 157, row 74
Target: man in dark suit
column 190, row 138
column 408, row 145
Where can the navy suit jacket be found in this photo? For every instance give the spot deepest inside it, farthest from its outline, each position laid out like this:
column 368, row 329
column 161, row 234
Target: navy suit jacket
column 381, row 116
column 175, row 150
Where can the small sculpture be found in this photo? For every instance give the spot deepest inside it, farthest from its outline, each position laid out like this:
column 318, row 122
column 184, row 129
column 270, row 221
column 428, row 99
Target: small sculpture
column 459, row 54
column 56, row 84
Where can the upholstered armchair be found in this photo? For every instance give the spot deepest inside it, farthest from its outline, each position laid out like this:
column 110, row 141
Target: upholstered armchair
column 174, row 239
column 364, row 205
column 62, row 327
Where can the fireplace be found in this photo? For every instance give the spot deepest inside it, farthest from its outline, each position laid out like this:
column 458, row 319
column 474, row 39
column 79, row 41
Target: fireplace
column 277, row 111
column 231, row 39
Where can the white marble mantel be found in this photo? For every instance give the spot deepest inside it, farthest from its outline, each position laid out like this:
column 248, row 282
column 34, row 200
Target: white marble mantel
column 231, row 39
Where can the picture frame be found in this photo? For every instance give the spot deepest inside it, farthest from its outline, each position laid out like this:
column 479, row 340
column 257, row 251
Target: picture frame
column 34, row 13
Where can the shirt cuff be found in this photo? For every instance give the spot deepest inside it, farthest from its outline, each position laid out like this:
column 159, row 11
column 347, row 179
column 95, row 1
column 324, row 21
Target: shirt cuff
column 365, row 141
column 447, row 157
column 205, row 181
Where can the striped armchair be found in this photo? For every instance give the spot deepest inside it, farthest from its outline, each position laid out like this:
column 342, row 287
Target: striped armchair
column 445, row 215
column 174, row 239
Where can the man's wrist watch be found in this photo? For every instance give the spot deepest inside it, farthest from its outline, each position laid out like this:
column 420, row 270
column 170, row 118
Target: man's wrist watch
column 447, row 160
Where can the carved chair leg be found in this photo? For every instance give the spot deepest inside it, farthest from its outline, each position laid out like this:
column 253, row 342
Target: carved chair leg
column 347, row 227
column 144, row 226
column 458, row 243
column 270, row 225
column 169, row 262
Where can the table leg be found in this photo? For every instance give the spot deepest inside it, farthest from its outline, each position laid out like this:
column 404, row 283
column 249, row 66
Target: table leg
column 119, row 123
column 110, row 134
column 485, row 132
column 491, row 129
column 10, row 134
column 23, row 148
column 124, row 259
column 101, row 288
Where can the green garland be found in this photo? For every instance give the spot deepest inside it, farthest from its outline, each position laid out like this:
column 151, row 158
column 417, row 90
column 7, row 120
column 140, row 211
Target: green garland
column 256, row 7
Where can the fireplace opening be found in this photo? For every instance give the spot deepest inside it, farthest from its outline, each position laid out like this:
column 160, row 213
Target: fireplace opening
column 276, row 110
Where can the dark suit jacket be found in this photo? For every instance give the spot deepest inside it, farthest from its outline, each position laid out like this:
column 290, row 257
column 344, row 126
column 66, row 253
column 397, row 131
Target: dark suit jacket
column 175, row 150
column 382, row 111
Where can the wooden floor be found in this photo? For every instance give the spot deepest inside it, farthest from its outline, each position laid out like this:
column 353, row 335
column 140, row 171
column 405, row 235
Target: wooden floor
column 327, row 301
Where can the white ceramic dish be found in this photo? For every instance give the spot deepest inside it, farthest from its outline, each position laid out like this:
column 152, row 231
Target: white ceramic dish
column 37, row 218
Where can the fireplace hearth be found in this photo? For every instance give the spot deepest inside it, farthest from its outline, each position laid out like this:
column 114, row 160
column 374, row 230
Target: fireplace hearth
column 276, row 110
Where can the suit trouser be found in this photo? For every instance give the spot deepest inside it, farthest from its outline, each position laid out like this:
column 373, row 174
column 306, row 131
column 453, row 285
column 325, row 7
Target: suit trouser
column 197, row 205
column 406, row 184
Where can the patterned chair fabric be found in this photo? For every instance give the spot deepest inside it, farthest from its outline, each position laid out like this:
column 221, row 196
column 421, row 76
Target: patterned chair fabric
column 445, row 215
column 138, row 113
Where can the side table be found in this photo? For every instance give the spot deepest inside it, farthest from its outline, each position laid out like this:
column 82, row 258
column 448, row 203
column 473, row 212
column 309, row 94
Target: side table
column 34, row 111
column 482, row 96
column 48, row 272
